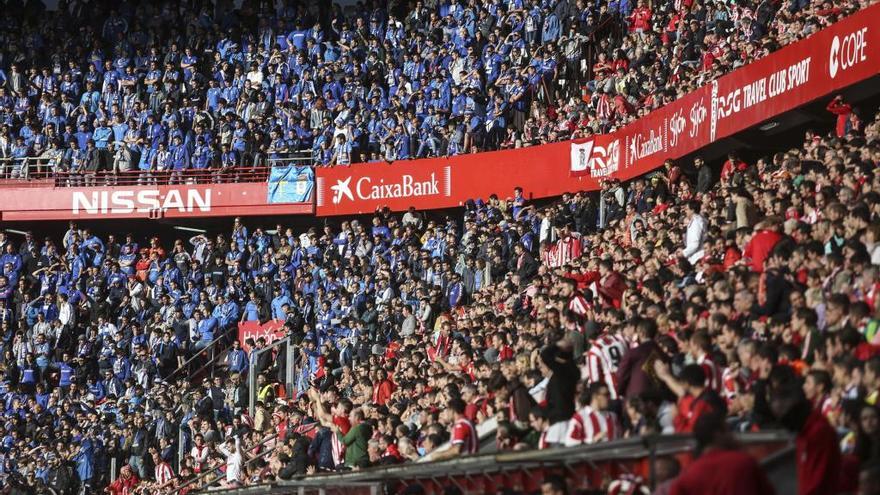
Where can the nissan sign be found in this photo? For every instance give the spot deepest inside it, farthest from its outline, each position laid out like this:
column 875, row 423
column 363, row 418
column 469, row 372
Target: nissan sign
column 122, row 201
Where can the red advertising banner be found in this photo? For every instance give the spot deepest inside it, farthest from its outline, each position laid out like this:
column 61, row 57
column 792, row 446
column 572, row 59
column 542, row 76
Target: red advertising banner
column 197, row 200
column 446, row 182
column 834, row 58
column 830, row 60
column 272, row 330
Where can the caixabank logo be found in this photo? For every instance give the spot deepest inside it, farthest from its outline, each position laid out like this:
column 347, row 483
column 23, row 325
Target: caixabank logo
column 644, row 144
column 370, row 187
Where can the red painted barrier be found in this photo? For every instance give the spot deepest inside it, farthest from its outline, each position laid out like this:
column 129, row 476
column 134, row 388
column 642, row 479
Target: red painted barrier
column 106, row 202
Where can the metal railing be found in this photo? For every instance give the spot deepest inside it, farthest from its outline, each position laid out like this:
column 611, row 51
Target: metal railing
column 43, row 172
column 289, row 370
column 204, row 480
column 210, row 351
column 772, row 448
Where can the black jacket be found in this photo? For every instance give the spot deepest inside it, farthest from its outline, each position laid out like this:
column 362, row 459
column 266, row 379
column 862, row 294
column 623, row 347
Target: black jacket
column 777, row 290
column 562, row 385
column 704, row 179
column 525, row 269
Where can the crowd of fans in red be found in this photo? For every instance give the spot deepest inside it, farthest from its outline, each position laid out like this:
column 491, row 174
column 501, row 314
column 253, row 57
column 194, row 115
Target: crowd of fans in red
column 705, row 305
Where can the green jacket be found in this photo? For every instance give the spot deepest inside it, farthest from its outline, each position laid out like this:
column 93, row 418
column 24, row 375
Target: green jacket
column 356, row 445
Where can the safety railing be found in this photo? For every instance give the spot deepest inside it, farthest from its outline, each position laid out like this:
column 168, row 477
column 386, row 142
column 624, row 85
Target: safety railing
column 289, row 364
column 206, row 356
column 205, row 480
column 44, row 172
column 586, row 466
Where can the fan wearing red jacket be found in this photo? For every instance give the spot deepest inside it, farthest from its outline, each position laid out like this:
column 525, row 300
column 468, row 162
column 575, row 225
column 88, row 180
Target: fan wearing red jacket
column 584, row 278
column 817, row 450
column 640, row 19
column 732, row 165
column 721, row 468
column 762, row 243
column 701, row 346
column 611, row 285
column 125, row 483
column 842, row 110
column 383, row 388
column 695, row 399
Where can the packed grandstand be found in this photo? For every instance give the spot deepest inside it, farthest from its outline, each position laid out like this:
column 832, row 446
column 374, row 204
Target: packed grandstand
column 707, row 298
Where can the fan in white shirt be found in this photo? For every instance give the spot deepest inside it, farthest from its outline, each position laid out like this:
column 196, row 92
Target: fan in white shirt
column 234, row 459
column 65, row 310
column 696, row 232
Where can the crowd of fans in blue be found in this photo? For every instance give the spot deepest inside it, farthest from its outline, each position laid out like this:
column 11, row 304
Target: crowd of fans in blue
column 119, row 87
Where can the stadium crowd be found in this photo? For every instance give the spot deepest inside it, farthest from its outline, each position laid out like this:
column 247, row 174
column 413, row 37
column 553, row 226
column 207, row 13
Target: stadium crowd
column 686, row 301
column 111, row 87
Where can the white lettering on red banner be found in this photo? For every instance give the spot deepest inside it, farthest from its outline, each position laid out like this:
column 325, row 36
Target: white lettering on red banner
column 805, row 71
column 368, row 188
column 118, row 202
column 698, row 115
column 847, row 51
column 759, row 90
column 641, row 145
column 677, row 125
column 271, row 331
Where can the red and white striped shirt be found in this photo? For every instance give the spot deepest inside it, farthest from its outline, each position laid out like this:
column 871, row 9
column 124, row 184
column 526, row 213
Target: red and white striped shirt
column 603, row 358
column 733, row 382
column 713, row 372
column 163, row 473
column 604, row 109
column 465, row 434
column 591, row 426
column 337, row 446
column 566, row 250
column 578, row 305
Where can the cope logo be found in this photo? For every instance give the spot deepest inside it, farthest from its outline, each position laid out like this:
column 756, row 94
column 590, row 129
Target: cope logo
column 847, row 51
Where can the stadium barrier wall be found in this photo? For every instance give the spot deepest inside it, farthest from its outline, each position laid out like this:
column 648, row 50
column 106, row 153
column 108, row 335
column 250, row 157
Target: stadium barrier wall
column 586, row 467
column 832, row 59
column 153, row 202
column 284, row 188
